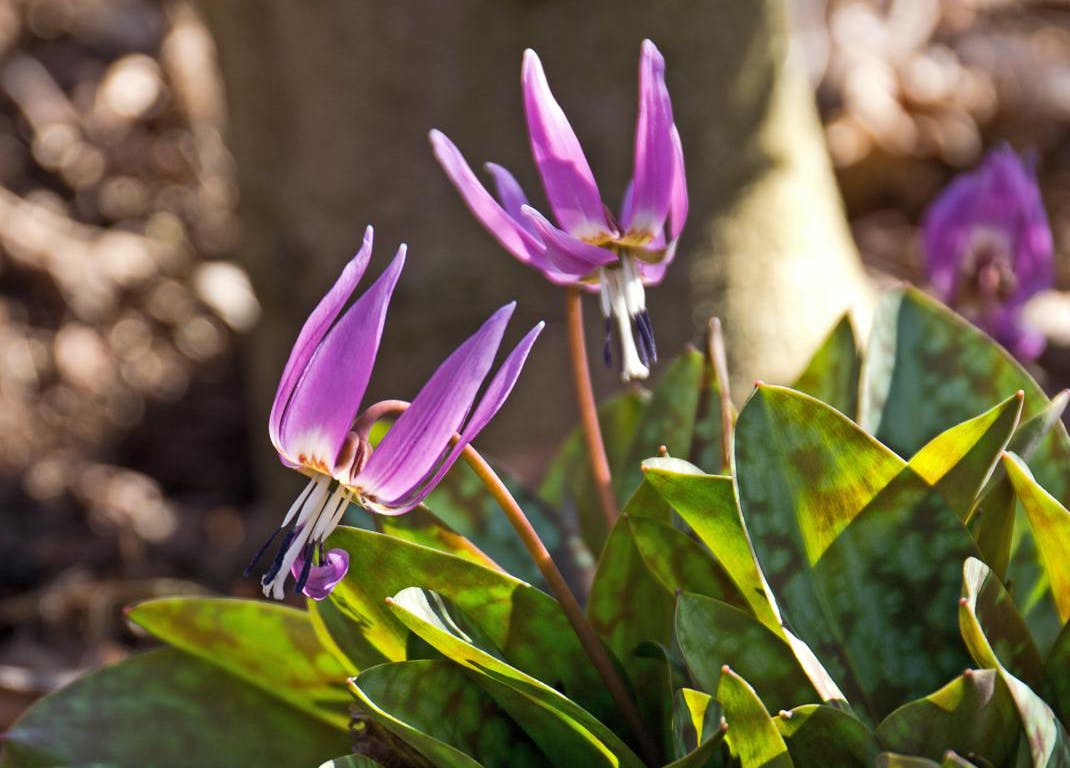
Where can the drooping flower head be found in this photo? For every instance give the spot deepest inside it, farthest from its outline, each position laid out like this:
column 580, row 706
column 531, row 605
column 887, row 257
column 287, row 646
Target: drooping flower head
column 586, row 244
column 988, row 248
column 315, row 426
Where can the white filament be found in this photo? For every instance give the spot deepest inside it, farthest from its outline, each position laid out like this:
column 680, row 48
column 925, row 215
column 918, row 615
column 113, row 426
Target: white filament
column 622, row 298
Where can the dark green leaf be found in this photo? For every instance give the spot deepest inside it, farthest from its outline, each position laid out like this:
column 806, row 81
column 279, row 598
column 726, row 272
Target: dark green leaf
column 435, row 708
column 1057, row 674
column 422, row 526
column 565, row 729
column 1045, row 738
column 707, row 504
column 712, row 634
column 820, row 735
column 697, row 728
column 525, row 623
column 973, row 714
column 167, row 708
column 833, row 372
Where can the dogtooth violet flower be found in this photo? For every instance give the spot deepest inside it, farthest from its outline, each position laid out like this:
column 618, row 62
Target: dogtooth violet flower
column 988, row 249
column 315, row 427
column 586, row 245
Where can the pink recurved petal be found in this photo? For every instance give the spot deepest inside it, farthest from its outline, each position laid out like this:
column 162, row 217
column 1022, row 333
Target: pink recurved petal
column 497, row 393
column 565, row 255
column 323, row 578
column 327, row 397
column 678, row 202
column 313, row 331
column 421, row 435
column 652, row 179
column 510, row 194
column 566, row 175
column 505, row 228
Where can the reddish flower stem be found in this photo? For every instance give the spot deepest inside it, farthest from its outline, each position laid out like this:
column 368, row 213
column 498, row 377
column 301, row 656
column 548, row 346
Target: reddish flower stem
column 557, row 584
column 592, row 431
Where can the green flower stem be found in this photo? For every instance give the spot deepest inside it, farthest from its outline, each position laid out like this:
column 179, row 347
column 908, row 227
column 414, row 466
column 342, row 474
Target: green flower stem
column 592, row 431
column 556, row 582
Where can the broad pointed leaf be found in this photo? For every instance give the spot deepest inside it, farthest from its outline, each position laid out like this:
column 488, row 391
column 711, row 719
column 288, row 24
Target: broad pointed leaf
column 712, row 634
column 166, row 707
column 525, row 623
column 973, row 714
column 832, row 374
column 817, row 734
column 588, row 742
column 268, row 645
column 434, row 707
column 752, row 736
column 697, row 728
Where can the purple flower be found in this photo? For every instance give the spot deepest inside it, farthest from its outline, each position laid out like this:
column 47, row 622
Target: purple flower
column 587, row 246
column 315, row 428
column 988, row 249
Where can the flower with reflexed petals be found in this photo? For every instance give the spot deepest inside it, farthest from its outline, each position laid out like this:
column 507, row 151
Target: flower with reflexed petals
column 588, row 246
column 988, row 249
column 315, row 426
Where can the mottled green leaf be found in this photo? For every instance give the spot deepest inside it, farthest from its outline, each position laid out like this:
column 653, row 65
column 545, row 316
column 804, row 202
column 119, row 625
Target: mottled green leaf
column 707, row 504
column 463, row 505
column 167, row 708
column 1057, row 674
column 525, row 623
column 993, row 519
column 422, row 526
column 1050, row 522
column 434, row 707
column 888, row 587
column 565, row 730
column 627, row 607
column 712, row 634
column 820, row 735
column 816, row 493
column 973, row 714
column 959, row 460
column 833, row 372
column 928, row 369
column 668, row 420
column 568, row 485
column 266, row 644
column 752, row 736
column 697, row 728
column 1045, row 738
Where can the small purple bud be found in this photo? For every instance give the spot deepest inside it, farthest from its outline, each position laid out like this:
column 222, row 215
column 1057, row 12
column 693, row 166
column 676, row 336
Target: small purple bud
column 320, row 579
column 988, row 248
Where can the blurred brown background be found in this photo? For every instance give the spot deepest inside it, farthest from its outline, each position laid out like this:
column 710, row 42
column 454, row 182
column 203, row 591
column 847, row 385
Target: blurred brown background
column 146, row 307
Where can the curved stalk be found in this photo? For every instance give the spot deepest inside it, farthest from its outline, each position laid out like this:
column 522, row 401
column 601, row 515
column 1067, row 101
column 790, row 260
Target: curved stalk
column 592, row 431
column 576, row 617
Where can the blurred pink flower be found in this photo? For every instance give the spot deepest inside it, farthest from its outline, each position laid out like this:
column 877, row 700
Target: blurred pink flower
column 988, row 249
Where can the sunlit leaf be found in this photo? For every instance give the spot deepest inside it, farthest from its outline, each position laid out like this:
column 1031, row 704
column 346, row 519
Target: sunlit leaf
column 833, row 372
column 818, row 735
column 752, row 736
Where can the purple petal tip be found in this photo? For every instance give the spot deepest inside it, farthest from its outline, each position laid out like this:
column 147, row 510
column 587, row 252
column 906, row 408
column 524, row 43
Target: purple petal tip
column 323, row 578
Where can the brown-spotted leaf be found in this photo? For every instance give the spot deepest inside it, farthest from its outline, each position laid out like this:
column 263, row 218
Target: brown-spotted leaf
column 266, row 644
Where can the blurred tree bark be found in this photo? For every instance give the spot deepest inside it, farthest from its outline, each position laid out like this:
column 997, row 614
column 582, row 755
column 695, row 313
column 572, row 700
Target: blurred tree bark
column 330, row 103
